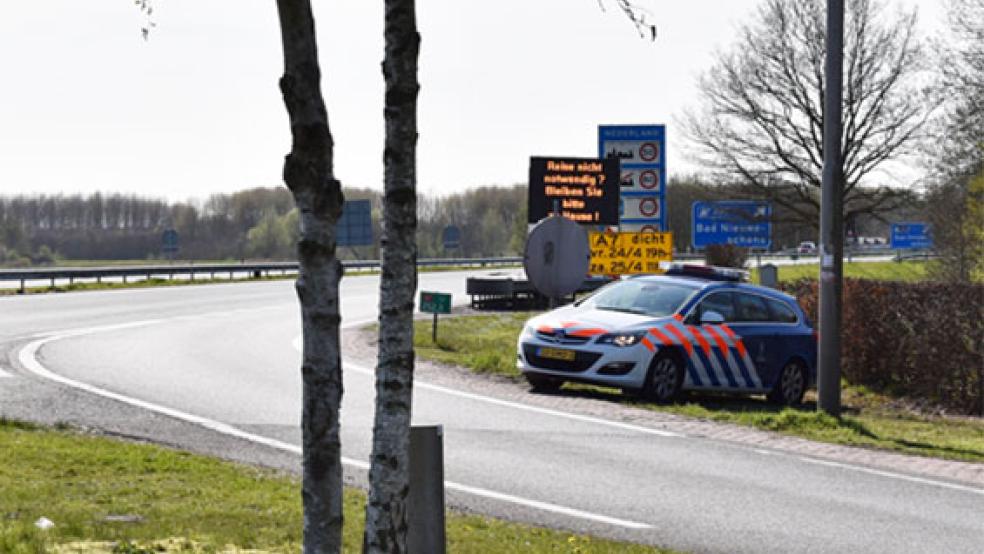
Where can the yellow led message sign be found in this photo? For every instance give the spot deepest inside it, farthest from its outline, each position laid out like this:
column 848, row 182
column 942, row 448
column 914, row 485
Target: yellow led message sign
column 584, row 190
column 625, row 253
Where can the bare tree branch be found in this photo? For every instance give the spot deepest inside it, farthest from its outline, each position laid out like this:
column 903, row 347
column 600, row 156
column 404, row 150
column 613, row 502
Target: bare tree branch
column 762, row 113
column 638, row 15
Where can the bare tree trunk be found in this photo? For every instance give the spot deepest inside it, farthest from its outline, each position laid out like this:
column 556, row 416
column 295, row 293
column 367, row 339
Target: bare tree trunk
column 308, row 174
column 386, row 510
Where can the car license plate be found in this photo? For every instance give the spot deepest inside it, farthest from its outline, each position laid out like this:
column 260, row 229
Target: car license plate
column 557, row 354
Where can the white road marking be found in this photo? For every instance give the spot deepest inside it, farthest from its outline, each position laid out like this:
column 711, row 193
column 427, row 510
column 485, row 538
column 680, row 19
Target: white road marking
column 546, row 506
column 28, row 359
column 892, row 475
column 92, row 330
column 528, row 407
column 349, row 366
column 5, row 374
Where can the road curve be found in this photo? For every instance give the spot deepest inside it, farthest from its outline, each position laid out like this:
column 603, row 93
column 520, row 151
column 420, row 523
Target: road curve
column 226, row 354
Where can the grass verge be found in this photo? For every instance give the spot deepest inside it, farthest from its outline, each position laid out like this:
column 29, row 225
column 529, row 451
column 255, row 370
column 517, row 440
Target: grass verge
column 105, row 495
column 486, row 344
column 882, row 271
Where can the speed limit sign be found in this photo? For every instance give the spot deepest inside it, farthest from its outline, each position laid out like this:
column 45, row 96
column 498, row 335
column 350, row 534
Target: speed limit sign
column 649, row 179
column 648, row 151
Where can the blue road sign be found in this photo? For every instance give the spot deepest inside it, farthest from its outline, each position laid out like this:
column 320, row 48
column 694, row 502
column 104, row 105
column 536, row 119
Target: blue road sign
column 641, row 151
column 451, row 236
column 354, row 228
column 913, row 235
column 169, row 242
column 745, row 223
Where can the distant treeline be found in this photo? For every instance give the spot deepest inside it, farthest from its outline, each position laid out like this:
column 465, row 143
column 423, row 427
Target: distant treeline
column 261, row 223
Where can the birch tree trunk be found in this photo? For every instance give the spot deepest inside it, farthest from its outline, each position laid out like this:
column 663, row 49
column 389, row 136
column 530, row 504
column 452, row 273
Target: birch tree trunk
column 386, row 510
column 308, row 174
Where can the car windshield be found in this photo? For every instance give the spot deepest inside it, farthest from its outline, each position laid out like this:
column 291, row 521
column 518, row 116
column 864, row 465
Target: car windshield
column 641, row 297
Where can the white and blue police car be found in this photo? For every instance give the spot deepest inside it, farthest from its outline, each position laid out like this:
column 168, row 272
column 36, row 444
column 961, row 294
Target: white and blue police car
column 694, row 327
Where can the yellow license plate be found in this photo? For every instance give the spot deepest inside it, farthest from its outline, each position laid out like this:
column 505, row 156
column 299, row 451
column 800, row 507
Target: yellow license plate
column 557, row 354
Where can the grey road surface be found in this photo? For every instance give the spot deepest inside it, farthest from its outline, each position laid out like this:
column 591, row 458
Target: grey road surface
column 228, row 353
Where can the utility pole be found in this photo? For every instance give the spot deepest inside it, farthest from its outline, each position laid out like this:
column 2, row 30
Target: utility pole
column 831, row 218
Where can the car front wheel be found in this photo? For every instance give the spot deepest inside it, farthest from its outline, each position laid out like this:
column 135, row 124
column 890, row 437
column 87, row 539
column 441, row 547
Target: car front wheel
column 665, row 378
column 790, row 386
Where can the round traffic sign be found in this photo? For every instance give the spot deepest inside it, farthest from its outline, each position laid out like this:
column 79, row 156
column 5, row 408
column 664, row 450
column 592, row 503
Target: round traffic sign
column 647, row 229
column 649, row 151
column 556, row 257
column 649, row 179
column 649, row 207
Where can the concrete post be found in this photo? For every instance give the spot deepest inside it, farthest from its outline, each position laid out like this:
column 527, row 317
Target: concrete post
column 425, row 502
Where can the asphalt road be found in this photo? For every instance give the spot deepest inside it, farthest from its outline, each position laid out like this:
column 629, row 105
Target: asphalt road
column 227, row 355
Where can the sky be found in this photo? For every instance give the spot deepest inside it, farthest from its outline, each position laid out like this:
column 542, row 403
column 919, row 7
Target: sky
column 87, row 105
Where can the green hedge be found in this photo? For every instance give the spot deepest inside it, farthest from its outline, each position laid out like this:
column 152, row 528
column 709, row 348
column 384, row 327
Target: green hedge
column 921, row 340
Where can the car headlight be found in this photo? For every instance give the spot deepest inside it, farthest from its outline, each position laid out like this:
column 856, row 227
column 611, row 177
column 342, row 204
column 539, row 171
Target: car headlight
column 622, row 339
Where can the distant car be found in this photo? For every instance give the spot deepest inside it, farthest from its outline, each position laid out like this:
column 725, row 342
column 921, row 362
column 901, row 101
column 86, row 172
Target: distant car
column 807, row 247
column 694, row 328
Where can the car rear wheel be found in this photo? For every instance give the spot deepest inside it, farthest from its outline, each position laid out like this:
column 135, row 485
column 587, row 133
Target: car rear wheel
column 665, row 378
column 790, row 386
column 542, row 383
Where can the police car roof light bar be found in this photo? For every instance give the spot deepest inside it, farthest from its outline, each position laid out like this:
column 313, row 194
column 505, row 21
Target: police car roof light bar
column 709, row 272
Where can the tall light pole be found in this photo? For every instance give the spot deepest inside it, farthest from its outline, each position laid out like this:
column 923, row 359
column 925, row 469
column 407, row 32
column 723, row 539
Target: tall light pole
column 831, row 218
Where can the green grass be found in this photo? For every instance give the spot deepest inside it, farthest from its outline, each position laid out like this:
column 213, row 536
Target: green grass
column 883, row 271
column 486, row 344
column 191, row 503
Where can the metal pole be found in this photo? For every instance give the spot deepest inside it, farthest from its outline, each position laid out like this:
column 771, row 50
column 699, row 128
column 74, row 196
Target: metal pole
column 434, row 330
column 831, row 219
column 425, row 500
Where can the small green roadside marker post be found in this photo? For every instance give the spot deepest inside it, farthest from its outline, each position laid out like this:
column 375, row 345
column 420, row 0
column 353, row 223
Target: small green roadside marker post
column 435, row 303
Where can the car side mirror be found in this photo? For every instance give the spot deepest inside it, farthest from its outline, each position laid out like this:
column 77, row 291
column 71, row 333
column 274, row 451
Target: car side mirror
column 712, row 317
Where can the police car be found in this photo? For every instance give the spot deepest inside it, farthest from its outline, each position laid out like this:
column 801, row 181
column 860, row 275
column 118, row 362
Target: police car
column 693, row 328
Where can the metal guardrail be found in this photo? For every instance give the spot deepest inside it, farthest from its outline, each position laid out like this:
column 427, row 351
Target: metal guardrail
column 71, row 274
column 191, row 270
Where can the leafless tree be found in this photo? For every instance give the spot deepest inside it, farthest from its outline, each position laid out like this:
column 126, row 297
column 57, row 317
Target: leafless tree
column 308, row 173
column 761, row 119
column 960, row 59
column 386, row 510
column 956, row 156
column 639, row 15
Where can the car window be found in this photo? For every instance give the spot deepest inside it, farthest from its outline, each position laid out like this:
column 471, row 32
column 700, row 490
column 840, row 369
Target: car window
column 751, row 308
column 781, row 312
column 720, row 302
column 642, row 297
